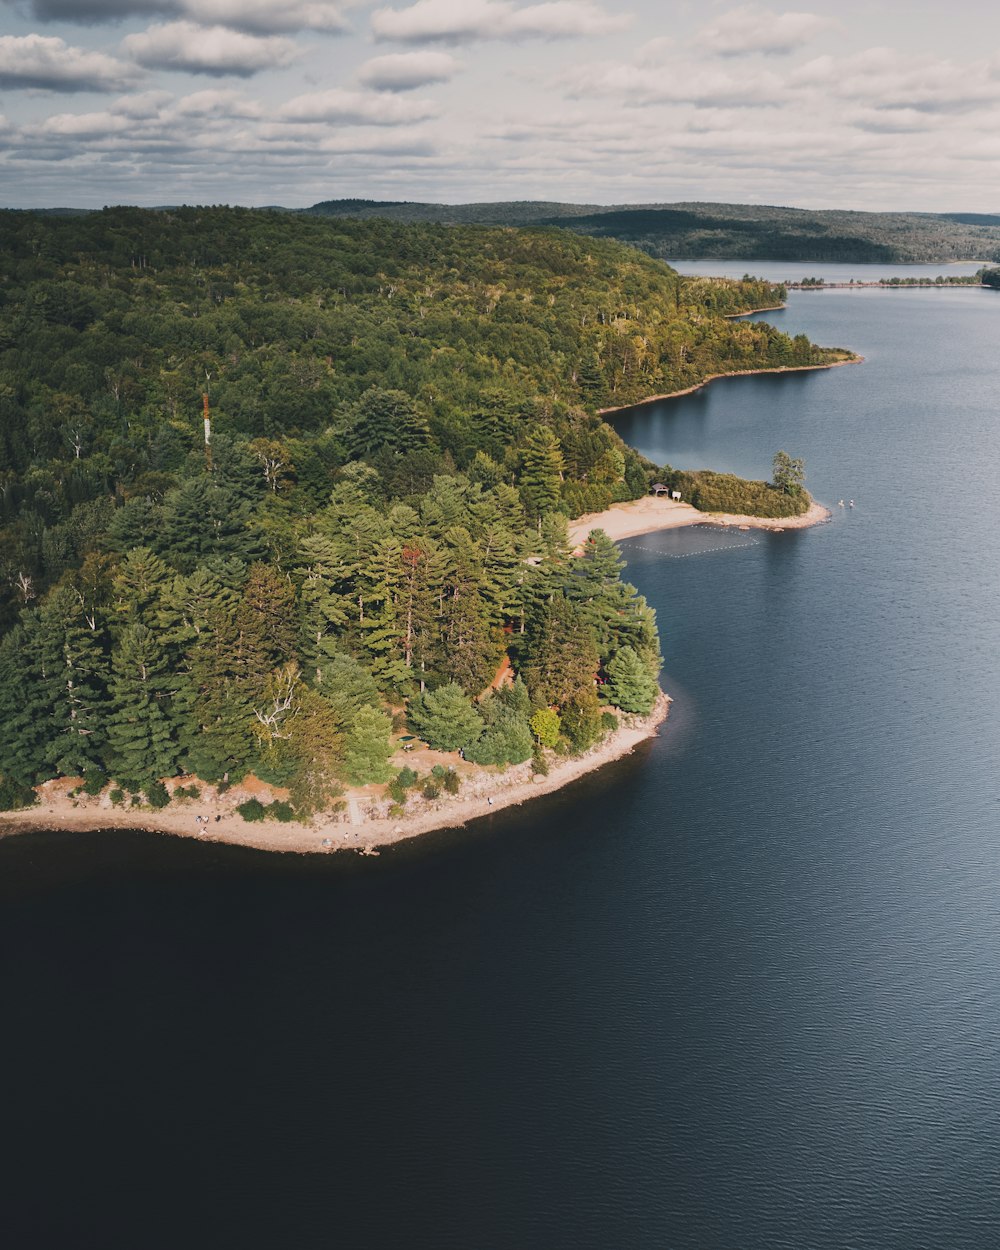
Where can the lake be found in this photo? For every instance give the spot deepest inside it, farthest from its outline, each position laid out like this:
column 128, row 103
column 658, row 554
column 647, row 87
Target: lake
column 739, row 990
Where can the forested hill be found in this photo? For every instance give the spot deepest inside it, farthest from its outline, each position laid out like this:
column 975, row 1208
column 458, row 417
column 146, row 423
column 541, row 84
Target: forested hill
column 403, row 418
column 728, row 231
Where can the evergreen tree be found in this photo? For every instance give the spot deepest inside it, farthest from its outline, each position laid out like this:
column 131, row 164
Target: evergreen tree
column 506, row 738
column 445, row 718
column 74, row 668
column 368, row 748
column 347, row 687
column 385, row 419
column 541, row 473
column 630, row 684
column 140, row 733
column 563, row 659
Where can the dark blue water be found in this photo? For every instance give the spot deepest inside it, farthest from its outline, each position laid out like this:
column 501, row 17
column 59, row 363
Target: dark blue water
column 741, row 990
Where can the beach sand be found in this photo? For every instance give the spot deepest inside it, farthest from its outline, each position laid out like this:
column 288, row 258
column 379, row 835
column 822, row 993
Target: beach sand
column 644, row 516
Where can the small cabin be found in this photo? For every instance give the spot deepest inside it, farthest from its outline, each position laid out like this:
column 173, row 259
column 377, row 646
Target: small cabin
column 659, row 489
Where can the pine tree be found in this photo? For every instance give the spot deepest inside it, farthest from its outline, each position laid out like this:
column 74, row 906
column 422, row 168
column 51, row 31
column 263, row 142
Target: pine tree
column 563, row 659
column 368, row 748
column 445, row 718
column 630, row 684
column 542, row 472
column 74, row 668
column 385, row 419
column 140, row 732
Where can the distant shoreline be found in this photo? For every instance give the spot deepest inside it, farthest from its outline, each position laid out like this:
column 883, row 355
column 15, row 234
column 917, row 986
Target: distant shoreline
column 484, row 791
column 734, row 373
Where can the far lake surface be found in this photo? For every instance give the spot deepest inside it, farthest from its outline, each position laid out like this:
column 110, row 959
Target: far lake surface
column 739, row 991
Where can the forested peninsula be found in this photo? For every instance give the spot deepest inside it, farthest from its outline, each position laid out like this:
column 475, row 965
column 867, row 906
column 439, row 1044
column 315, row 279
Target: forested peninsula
column 371, row 552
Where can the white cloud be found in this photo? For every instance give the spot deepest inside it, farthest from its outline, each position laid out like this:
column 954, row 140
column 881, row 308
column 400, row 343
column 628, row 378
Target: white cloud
column 49, row 64
column 464, row 21
column 217, row 104
column 213, row 50
column 356, row 108
column 403, row 71
column 682, row 82
column 883, row 78
column 751, row 29
column 84, row 125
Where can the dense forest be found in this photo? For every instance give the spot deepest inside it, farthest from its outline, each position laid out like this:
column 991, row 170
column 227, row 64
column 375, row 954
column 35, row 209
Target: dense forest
column 403, row 419
column 729, row 231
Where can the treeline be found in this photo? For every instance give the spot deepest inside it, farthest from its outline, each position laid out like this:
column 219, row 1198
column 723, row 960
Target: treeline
column 403, row 418
column 183, row 652
column 113, row 324
column 737, row 231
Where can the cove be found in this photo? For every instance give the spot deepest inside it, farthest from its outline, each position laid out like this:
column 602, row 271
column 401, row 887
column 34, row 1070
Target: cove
column 738, row 990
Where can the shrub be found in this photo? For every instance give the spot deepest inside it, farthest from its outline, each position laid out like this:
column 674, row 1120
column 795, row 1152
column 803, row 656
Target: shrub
column 407, row 777
column 431, row 789
column 539, row 764
column 396, row 791
column 724, row 492
column 280, row 810
column 117, row 797
column 396, row 810
column 440, row 772
column 452, row 781
column 609, row 722
column 252, row 810
column 93, row 781
column 14, row 796
column 157, row 794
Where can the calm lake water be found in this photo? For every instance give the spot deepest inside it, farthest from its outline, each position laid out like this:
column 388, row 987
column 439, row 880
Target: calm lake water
column 741, row 990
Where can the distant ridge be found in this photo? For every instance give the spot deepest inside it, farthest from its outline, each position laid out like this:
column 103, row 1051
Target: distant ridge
column 702, row 230
column 705, row 230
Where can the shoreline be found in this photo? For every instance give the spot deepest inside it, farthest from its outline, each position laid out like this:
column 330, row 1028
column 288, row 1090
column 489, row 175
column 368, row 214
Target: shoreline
column 652, row 513
column 485, row 791
column 750, row 311
column 735, row 373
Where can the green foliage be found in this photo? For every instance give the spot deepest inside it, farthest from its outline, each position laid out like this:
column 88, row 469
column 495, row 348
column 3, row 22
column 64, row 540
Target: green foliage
column 539, row 764
column 788, row 475
column 281, row 810
column 431, row 789
column 368, row 748
column 157, row 794
column 452, row 781
column 581, row 721
column 14, row 796
column 94, row 781
column 990, row 278
column 407, row 777
column 723, row 492
column 546, row 726
column 445, row 718
column 117, row 796
column 252, row 810
column 630, row 685
column 506, row 737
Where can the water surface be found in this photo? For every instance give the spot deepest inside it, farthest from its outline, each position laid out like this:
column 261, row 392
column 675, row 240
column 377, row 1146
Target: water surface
column 740, row 990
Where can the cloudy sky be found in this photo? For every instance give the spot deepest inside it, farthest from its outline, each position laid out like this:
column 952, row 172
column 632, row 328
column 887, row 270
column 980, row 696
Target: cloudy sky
column 857, row 105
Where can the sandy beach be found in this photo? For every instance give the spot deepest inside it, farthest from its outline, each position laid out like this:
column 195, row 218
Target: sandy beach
column 360, row 826
column 644, row 516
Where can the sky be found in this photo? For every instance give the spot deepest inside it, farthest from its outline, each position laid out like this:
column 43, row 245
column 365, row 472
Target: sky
column 888, row 106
